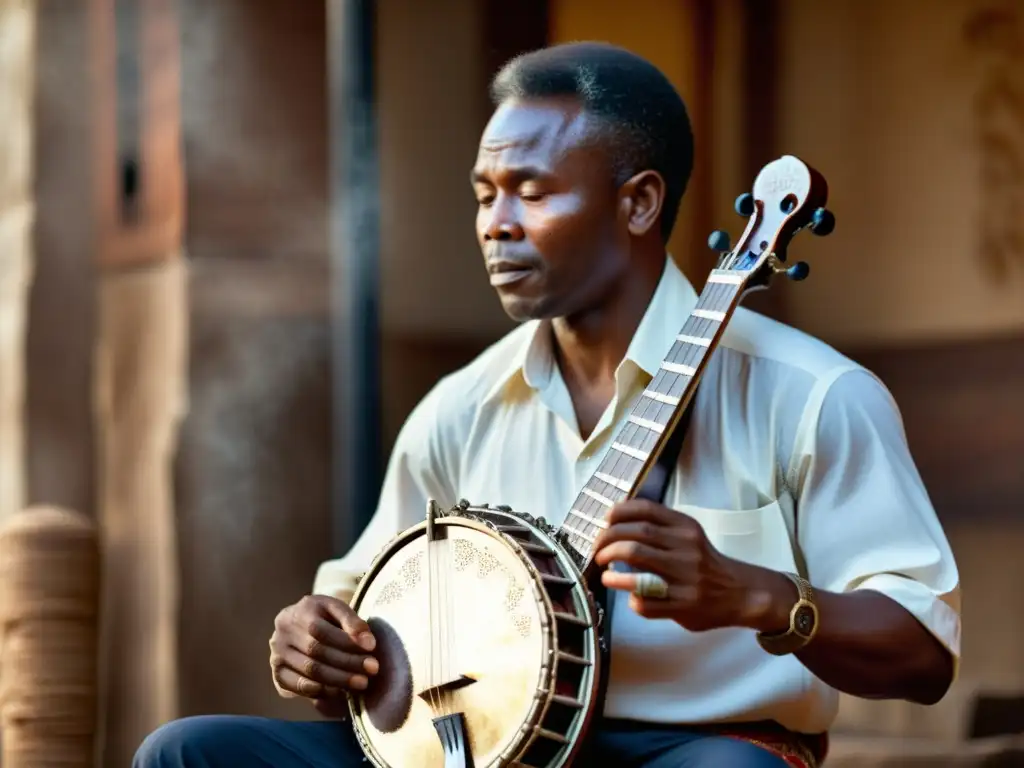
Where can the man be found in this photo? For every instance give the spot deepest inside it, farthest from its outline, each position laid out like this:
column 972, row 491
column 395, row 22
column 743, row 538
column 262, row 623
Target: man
column 795, row 462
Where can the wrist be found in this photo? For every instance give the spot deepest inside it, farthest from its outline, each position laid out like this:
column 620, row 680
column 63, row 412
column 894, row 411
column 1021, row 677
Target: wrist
column 768, row 600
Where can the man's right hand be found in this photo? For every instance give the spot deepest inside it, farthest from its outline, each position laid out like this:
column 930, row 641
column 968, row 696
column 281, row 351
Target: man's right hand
column 321, row 647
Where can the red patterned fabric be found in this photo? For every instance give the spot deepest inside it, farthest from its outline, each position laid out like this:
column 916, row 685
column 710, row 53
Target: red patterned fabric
column 798, row 750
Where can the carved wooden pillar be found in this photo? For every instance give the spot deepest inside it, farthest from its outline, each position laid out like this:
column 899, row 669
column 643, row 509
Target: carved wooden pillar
column 17, row 65
column 140, row 385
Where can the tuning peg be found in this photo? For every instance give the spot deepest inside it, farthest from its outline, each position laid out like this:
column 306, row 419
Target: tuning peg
column 822, row 222
column 719, row 241
column 798, row 271
column 744, row 204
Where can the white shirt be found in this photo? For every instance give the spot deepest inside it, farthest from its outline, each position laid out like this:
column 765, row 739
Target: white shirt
column 796, row 461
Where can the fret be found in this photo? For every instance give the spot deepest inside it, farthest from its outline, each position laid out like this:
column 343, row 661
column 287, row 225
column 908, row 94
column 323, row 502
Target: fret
column 697, row 341
column 632, row 452
column 698, row 326
column 661, row 397
column 686, row 354
column 625, row 469
column 683, row 370
column 600, row 499
column 707, row 314
column 652, row 410
column 653, row 426
column 726, row 277
column 587, row 519
column 718, row 297
column 622, row 485
column 638, row 437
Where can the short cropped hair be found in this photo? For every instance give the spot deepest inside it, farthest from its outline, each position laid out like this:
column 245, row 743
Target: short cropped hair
column 645, row 119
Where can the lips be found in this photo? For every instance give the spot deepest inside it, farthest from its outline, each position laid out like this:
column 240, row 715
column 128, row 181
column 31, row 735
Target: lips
column 506, row 272
column 507, row 278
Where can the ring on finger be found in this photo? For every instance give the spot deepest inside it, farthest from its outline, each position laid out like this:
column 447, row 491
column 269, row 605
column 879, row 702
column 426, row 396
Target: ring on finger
column 307, row 687
column 650, row 586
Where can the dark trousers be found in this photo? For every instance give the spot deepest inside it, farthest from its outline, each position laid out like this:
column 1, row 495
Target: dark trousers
column 224, row 741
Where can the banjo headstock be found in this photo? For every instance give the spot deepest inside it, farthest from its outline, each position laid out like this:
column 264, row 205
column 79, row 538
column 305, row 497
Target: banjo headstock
column 788, row 196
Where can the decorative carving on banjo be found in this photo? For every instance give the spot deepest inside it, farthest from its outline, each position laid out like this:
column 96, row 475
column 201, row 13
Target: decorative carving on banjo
column 488, row 632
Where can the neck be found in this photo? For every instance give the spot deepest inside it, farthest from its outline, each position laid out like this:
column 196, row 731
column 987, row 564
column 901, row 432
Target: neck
column 590, row 345
column 637, row 446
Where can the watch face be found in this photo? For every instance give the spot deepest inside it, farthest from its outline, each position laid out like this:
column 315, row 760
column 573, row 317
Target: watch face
column 804, row 620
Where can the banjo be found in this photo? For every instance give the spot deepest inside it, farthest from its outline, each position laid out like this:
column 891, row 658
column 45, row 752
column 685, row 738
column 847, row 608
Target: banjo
column 489, row 635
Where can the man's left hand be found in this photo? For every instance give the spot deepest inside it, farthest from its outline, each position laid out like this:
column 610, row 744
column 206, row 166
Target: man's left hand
column 706, row 589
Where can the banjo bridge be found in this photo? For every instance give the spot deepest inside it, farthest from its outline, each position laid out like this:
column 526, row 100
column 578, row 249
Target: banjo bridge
column 435, row 692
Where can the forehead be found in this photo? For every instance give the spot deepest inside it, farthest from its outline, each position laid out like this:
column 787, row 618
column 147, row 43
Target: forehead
column 542, row 134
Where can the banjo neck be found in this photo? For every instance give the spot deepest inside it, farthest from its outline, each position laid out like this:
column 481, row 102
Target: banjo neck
column 787, row 197
column 639, row 443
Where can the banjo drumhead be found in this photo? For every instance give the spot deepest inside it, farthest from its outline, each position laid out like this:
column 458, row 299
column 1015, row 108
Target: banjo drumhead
column 487, row 626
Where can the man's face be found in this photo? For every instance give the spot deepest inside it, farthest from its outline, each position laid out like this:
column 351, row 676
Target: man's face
column 549, row 223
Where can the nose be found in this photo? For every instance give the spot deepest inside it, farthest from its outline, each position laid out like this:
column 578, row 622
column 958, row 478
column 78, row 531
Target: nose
column 502, row 224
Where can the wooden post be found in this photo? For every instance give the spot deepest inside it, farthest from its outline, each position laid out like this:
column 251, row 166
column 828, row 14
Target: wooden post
column 17, row 66
column 140, row 364
column 355, row 253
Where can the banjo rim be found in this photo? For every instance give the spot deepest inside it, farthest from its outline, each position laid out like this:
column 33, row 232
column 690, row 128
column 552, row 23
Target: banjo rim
column 531, row 729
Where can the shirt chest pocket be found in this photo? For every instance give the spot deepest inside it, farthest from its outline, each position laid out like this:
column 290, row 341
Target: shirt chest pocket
column 758, row 536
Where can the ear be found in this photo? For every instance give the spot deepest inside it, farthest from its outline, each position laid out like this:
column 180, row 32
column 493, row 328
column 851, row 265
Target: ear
column 643, row 197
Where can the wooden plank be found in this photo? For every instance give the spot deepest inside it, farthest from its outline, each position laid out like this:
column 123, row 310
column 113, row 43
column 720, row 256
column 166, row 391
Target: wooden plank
column 140, row 385
column 17, row 212
column 137, row 134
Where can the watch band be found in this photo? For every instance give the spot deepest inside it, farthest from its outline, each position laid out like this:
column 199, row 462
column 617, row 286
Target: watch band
column 803, row 622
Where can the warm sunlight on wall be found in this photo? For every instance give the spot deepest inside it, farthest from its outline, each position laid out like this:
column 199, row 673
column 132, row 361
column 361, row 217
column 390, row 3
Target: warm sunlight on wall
column 658, row 30
column 881, row 98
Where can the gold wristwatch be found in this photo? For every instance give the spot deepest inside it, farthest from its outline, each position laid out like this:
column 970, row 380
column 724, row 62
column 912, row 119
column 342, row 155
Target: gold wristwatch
column 803, row 622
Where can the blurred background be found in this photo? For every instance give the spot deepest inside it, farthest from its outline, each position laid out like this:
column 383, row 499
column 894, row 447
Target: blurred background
column 186, row 309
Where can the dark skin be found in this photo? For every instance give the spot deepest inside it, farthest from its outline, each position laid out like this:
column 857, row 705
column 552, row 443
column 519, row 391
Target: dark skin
column 547, row 200
column 562, row 241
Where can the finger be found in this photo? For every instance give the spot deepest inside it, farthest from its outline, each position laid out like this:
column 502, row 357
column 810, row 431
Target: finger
column 625, row 581
column 651, row 608
column 309, row 677
column 325, row 642
column 353, row 662
column 642, row 557
column 349, row 621
column 643, row 531
column 307, row 619
column 292, row 682
column 634, row 510
column 680, row 597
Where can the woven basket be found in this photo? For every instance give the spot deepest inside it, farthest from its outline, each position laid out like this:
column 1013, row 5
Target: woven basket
column 49, row 628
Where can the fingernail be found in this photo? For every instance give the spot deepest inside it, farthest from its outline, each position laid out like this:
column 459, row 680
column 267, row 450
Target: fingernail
column 371, row 666
column 366, row 641
column 359, row 682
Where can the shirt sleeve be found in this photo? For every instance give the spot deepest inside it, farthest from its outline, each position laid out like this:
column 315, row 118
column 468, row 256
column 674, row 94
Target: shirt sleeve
column 864, row 518
column 423, row 466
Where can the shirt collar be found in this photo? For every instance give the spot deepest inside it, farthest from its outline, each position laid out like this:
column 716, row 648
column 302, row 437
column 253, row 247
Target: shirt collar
column 674, row 299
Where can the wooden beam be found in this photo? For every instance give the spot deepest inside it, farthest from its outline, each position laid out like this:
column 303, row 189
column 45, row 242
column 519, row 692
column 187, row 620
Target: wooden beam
column 759, row 144
column 17, row 214
column 355, row 278
column 140, row 363
column 509, row 29
column 137, row 138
